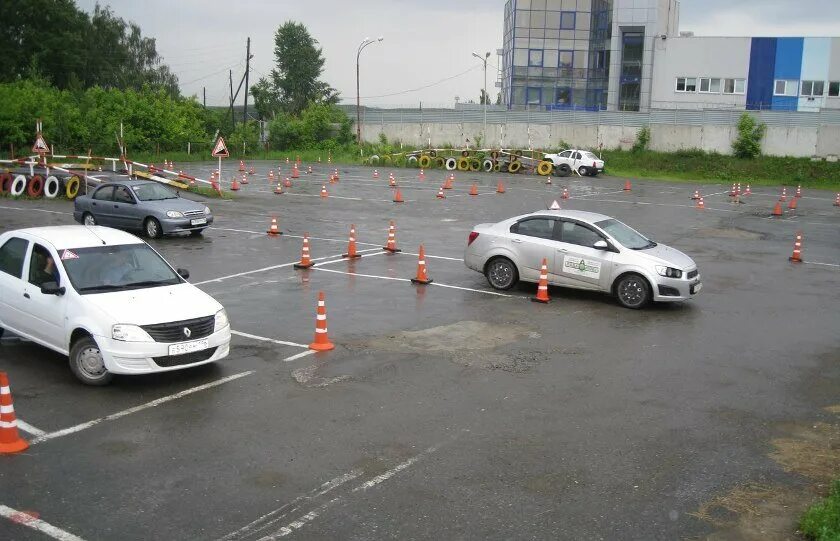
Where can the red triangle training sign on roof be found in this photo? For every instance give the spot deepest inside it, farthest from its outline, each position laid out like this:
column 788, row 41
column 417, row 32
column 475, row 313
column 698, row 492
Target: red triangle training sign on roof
column 40, row 146
column 220, row 150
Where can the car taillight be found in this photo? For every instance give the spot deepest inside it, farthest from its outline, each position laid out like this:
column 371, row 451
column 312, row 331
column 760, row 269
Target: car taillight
column 473, row 236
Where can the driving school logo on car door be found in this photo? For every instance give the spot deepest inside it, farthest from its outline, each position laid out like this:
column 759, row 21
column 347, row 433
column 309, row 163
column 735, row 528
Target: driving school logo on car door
column 582, row 267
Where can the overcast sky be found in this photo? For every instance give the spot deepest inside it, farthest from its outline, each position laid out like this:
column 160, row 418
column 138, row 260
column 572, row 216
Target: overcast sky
column 426, row 41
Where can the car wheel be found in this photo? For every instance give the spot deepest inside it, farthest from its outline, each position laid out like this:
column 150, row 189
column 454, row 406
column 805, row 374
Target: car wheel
column 632, row 291
column 563, row 170
column 583, row 171
column 87, row 364
column 88, row 219
column 196, row 232
column 501, row 273
column 1, row 332
column 152, row 228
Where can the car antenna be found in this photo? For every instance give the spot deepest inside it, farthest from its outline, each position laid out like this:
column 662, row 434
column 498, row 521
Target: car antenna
column 92, row 232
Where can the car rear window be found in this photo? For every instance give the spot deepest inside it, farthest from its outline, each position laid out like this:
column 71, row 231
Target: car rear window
column 590, row 156
column 12, row 254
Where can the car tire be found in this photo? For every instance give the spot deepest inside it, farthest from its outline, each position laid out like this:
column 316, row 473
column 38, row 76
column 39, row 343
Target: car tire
column 196, row 232
column 583, row 171
column 563, row 170
column 88, row 219
column 87, row 364
column 501, row 273
column 632, row 291
column 152, row 228
column 1, row 332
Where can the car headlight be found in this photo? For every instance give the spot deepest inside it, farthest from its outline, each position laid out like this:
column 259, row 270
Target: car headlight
column 130, row 333
column 207, row 210
column 669, row 272
column 221, row 319
column 174, row 214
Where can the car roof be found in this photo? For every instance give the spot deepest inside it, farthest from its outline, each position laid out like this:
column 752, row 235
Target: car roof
column 128, row 182
column 79, row 236
column 581, row 215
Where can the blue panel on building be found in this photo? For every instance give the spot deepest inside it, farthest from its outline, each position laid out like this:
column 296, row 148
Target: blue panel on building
column 762, row 70
column 789, row 67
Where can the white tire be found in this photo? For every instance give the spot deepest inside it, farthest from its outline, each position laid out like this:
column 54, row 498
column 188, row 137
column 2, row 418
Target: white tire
column 51, row 187
column 451, row 164
column 18, row 186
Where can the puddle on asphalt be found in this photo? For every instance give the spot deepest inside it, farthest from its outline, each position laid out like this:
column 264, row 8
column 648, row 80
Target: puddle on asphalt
column 729, row 233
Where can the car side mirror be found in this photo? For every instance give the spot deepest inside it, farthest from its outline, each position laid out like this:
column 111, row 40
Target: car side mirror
column 52, row 288
column 184, row 273
column 601, row 245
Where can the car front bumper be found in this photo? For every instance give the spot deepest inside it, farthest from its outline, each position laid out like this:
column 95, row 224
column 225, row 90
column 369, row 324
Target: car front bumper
column 139, row 357
column 676, row 289
column 180, row 225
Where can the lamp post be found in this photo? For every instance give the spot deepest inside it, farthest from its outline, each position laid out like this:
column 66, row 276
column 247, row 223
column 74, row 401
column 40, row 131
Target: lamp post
column 362, row 45
column 486, row 96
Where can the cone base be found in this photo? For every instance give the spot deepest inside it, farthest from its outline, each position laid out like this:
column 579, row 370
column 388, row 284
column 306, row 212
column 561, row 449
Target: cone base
column 349, row 256
column 795, row 259
column 303, row 266
column 421, row 282
column 398, row 201
column 14, row 447
column 274, row 233
column 314, row 346
column 537, row 299
column 391, row 250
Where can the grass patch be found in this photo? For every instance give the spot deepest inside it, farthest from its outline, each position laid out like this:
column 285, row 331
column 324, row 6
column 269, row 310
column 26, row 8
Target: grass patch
column 210, row 192
column 821, row 522
column 341, row 155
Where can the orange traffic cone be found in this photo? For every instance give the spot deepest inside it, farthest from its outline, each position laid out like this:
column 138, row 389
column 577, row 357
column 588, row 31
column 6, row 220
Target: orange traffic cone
column 748, row 190
column 777, row 210
column 271, row 175
column 793, row 203
column 351, row 245
column 784, row 195
column 837, row 200
column 565, row 194
column 287, row 183
column 440, row 194
column 542, row 287
column 375, row 174
column 251, row 171
column 297, row 160
column 421, row 277
column 548, row 181
column 398, row 198
column 309, row 170
column 241, row 166
column 798, row 192
column 305, row 262
column 234, row 185
column 627, row 185
column 322, row 339
column 324, row 191
column 391, row 245
column 474, row 189
column 696, row 195
column 392, row 181
column 279, row 189
column 422, row 175
column 700, row 203
column 287, row 160
column 10, row 440
column 335, row 174
column 797, row 249
column 500, row 188
column 273, row 230
column 447, row 185
column 732, row 190
column 295, row 172
column 244, row 179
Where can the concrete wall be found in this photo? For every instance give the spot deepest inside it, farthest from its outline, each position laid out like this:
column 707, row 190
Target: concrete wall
column 779, row 141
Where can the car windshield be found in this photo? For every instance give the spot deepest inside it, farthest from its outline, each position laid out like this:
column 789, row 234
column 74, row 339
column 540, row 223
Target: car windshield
column 590, row 156
column 103, row 269
column 626, row 235
column 153, row 192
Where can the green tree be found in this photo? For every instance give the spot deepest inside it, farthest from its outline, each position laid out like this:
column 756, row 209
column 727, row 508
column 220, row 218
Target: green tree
column 483, row 97
column 750, row 133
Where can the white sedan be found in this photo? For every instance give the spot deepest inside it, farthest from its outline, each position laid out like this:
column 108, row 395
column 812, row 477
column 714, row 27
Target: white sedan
column 108, row 301
column 582, row 161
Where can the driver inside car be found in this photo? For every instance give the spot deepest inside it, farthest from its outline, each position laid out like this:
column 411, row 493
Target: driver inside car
column 119, row 268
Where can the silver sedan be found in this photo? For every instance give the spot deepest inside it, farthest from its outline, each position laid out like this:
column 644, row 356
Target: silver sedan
column 584, row 250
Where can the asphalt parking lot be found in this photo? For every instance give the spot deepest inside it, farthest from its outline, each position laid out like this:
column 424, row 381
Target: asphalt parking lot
column 447, row 411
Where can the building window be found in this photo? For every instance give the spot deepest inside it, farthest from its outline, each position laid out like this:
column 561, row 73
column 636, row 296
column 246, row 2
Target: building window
column 563, row 96
column 535, row 58
column 710, row 85
column 686, row 84
column 813, row 88
column 565, row 59
column 784, row 87
column 602, row 59
column 567, row 20
column 834, row 89
column 534, row 96
column 733, row 86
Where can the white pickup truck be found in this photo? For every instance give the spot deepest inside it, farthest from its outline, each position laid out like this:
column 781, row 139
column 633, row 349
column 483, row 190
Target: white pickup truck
column 582, row 161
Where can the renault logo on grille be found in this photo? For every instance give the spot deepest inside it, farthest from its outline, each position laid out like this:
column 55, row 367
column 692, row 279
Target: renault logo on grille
column 187, row 332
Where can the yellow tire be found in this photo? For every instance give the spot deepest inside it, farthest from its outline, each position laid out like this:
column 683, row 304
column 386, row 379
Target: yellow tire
column 544, row 168
column 440, row 163
column 514, row 166
column 425, row 161
column 386, row 159
column 463, row 164
column 71, row 187
column 475, row 165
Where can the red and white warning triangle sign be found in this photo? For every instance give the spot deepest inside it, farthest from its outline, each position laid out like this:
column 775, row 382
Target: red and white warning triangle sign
column 67, row 254
column 40, row 146
column 554, row 206
column 220, row 150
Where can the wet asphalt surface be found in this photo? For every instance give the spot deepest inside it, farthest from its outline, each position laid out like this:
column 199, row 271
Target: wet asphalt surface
column 442, row 413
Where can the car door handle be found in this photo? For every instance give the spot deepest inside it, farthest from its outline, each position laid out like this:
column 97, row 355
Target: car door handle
column 93, row 204
column 26, row 295
column 562, row 250
column 116, row 206
column 517, row 240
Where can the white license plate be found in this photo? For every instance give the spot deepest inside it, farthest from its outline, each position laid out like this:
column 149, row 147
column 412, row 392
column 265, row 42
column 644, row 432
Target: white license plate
column 696, row 287
column 198, row 221
column 188, row 347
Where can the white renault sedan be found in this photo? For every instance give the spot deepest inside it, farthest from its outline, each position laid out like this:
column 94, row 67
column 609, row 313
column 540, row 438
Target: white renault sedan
column 583, row 250
column 108, row 301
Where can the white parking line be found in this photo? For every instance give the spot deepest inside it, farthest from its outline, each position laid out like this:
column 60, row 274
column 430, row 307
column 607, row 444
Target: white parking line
column 808, row 262
column 264, row 339
column 37, row 210
column 437, row 284
column 135, row 409
column 292, row 236
column 25, row 519
column 299, row 355
column 28, row 428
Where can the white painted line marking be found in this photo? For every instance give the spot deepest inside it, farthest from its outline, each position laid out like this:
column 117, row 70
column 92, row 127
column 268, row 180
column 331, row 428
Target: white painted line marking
column 458, row 259
column 437, row 284
column 24, row 519
column 26, row 427
column 808, row 262
column 393, row 471
column 264, row 339
column 362, row 256
column 147, row 405
column 292, row 236
column 38, row 210
column 300, row 355
column 657, row 204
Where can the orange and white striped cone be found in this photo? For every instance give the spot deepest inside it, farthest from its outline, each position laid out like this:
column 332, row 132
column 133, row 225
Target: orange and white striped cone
column 798, row 192
column 251, row 171
column 793, row 203
column 234, row 185
column 565, row 194
column 244, row 179
column 241, row 166
column 422, row 277
column 748, row 190
column 295, row 172
column 375, row 174
column 392, row 181
column 542, row 286
column 287, row 160
column 777, row 209
column 398, row 198
column 422, row 175
column 440, row 194
column 351, row 244
column 732, row 190
column 287, row 183
column 391, row 245
column 10, row 440
column 322, row 339
column 701, row 204
column 279, row 189
column 797, row 249
column 309, row 170
column 837, row 200
column 335, row 174
column 297, row 160
column 500, row 188
column 324, row 191
column 627, row 185
column 696, row 195
column 738, row 190
column 783, row 197
column 548, row 180
column 474, row 189
column 447, row 185
column 273, row 230
column 305, row 262
column 271, row 176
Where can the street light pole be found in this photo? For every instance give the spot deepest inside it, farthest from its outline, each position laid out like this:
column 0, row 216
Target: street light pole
column 486, row 96
column 365, row 42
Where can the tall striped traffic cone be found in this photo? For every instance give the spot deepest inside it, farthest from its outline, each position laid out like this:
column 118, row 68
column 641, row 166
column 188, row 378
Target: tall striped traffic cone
column 305, row 262
column 287, row 183
column 447, row 184
column 309, row 170
column 797, row 249
column 777, row 210
column 251, row 171
column 271, row 176
column 440, row 194
column 279, row 189
column 391, row 180
column 565, row 194
column 241, row 166
column 234, row 185
column 696, row 195
column 474, row 189
column 375, row 174
column 548, row 180
column 798, row 191
column 10, row 440
column 335, row 174
column 500, row 188
column 295, row 171
column 273, row 230
column 244, row 179
column 422, row 175
column 748, row 190
column 627, row 185
column 783, row 197
column 351, row 245
column 322, row 339
column 422, row 277
column 701, row 204
column 391, row 245
column 324, row 191
column 732, row 190
column 837, row 200
column 398, row 198
column 542, row 287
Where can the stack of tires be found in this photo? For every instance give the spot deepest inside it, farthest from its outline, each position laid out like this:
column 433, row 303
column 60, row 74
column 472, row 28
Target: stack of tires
column 39, row 185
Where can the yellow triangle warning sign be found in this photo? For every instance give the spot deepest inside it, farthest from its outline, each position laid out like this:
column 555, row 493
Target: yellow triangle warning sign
column 40, row 146
column 220, row 150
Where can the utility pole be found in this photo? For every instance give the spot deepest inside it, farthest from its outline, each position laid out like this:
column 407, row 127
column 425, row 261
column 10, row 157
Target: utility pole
column 204, row 93
column 247, row 72
column 232, row 116
column 486, row 98
column 362, row 45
